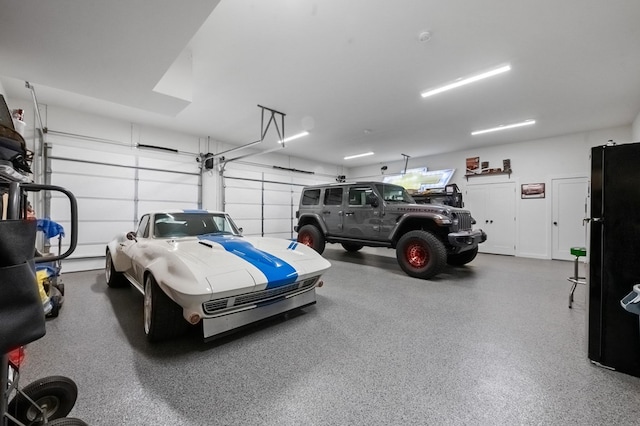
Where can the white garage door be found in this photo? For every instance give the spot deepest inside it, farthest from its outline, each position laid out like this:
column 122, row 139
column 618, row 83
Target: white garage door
column 113, row 189
column 264, row 203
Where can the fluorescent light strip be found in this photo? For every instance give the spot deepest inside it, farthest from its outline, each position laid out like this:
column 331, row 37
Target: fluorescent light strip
column 504, row 127
column 366, row 154
column 465, row 81
column 296, row 136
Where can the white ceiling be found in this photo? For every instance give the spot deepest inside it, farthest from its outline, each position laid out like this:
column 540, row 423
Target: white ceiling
column 348, row 71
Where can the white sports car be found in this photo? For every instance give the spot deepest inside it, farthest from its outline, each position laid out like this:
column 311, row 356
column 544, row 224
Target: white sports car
column 195, row 267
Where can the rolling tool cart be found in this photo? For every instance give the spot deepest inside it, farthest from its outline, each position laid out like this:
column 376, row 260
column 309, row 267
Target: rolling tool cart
column 22, row 320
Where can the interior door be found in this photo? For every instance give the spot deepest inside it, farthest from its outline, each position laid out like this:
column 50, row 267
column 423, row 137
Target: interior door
column 493, row 207
column 569, row 210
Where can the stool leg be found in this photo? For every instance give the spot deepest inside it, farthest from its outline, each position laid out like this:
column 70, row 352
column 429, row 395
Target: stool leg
column 575, row 281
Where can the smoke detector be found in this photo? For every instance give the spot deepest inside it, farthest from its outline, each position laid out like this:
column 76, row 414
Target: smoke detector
column 424, row 36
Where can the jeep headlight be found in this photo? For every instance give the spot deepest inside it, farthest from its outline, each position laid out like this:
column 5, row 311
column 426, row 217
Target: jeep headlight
column 442, row 220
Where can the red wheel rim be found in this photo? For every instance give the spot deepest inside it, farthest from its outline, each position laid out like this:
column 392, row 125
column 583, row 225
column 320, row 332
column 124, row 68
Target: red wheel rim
column 306, row 239
column 416, row 255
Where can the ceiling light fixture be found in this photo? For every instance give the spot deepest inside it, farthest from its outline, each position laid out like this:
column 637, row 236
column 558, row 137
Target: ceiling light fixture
column 296, row 136
column 366, row 154
column 504, row 127
column 465, row 81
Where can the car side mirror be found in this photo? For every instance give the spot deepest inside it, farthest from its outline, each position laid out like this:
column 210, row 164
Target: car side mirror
column 240, row 230
column 373, row 200
column 132, row 236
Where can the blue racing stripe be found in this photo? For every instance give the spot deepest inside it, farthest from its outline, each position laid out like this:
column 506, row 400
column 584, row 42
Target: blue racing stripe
column 277, row 271
column 292, row 246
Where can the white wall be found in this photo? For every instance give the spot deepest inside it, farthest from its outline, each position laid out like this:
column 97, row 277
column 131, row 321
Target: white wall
column 537, row 161
column 636, row 128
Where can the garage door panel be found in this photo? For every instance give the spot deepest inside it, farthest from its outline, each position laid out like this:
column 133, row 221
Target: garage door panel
column 167, row 191
column 242, row 196
column 180, row 165
column 242, row 173
column 159, row 176
column 250, row 227
column 277, row 197
column 231, row 184
column 93, row 186
column 79, row 168
column 82, row 250
column 152, row 206
column 237, row 211
column 94, row 232
column 277, row 212
column 91, row 155
column 278, row 226
column 98, row 210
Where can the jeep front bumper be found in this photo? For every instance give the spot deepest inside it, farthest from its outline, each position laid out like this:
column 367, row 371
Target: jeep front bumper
column 466, row 240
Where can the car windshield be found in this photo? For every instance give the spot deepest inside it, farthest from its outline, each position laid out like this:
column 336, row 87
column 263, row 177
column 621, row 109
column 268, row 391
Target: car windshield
column 394, row 193
column 171, row 225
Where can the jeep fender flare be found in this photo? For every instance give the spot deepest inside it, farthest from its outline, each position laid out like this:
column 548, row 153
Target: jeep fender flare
column 428, row 216
column 312, row 219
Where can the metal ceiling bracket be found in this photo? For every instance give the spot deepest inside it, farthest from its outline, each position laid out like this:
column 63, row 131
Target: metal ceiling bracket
column 263, row 132
column 406, row 162
column 272, row 119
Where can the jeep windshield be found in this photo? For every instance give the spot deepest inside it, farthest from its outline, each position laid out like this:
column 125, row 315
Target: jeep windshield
column 394, row 193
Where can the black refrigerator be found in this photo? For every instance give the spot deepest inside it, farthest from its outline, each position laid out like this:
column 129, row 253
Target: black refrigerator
column 614, row 256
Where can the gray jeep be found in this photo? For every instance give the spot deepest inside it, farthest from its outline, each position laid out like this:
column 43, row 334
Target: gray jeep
column 375, row 214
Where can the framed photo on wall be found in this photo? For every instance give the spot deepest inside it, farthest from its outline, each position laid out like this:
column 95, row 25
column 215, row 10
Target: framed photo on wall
column 532, row 190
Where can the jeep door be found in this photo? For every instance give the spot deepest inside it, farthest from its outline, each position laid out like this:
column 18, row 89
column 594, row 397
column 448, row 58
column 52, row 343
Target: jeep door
column 361, row 219
column 332, row 210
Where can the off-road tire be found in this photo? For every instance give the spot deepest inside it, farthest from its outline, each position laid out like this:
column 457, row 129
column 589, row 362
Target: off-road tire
column 421, row 255
column 311, row 236
column 463, row 258
column 57, row 394
column 352, row 247
column 114, row 278
column 163, row 318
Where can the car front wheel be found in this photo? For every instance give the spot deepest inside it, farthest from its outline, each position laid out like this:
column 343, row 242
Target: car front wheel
column 113, row 277
column 421, row 255
column 162, row 316
column 309, row 235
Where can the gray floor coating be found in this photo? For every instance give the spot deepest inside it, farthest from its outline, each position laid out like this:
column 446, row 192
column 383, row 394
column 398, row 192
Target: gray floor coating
column 490, row 343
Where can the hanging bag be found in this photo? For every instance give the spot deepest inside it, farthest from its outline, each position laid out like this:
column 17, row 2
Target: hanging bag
column 21, row 313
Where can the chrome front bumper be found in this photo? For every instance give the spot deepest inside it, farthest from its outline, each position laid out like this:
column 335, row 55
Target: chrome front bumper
column 220, row 325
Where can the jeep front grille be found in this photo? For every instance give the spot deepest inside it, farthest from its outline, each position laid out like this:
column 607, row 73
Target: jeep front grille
column 219, row 305
column 464, row 221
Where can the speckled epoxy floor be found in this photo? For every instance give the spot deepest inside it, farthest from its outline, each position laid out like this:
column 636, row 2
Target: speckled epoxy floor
column 490, row 343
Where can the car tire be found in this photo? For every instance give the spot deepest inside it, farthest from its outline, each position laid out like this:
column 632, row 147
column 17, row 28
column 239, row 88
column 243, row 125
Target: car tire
column 310, row 235
column 113, row 277
column 463, row 258
column 351, row 247
column 163, row 318
column 56, row 394
column 420, row 254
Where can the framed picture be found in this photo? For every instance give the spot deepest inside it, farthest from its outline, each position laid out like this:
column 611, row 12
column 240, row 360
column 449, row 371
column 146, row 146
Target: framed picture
column 532, row 190
column 473, row 165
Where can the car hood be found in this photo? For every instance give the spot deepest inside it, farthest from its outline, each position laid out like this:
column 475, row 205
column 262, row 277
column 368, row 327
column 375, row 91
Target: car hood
column 230, row 262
